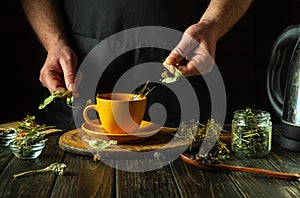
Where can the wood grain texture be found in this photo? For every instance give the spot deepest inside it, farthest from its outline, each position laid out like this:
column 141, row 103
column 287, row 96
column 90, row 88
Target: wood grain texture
column 194, row 182
column 156, row 183
column 9, row 125
column 35, row 184
column 250, row 185
column 85, row 178
column 72, row 142
column 277, row 160
column 225, row 167
column 5, row 156
column 88, row 178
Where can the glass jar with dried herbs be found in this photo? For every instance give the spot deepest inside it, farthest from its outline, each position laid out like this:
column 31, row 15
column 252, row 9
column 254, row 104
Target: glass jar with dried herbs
column 251, row 133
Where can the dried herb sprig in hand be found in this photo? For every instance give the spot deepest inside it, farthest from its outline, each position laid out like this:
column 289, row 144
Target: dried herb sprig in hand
column 61, row 94
column 55, row 95
column 176, row 74
column 196, row 132
column 59, row 168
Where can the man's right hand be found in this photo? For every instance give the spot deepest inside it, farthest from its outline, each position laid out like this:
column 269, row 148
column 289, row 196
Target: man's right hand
column 59, row 69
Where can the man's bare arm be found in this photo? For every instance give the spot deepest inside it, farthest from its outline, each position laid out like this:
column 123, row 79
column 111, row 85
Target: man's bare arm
column 218, row 18
column 221, row 15
column 45, row 18
column 59, row 69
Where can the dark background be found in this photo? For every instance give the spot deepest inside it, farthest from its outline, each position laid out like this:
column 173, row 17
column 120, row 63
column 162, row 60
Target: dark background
column 242, row 57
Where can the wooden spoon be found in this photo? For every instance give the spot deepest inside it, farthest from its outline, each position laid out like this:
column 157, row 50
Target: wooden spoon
column 224, row 167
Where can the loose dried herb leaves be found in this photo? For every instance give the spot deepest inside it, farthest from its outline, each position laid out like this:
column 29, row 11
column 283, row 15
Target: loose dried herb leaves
column 31, row 139
column 97, row 143
column 196, row 132
column 170, row 77
column 70, row 98
column 28, row 125
column 55, row 95
column 30, row 133
column 101, row 144
column 62, row 94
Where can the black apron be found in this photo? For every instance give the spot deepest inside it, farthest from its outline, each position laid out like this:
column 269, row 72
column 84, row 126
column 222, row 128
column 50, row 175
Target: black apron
column 88, row 22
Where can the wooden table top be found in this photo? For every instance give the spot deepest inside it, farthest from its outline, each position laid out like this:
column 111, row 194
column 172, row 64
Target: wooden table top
column 88, row 178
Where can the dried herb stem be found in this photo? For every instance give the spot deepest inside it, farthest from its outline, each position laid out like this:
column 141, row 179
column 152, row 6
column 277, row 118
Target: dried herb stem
column 142, row 92
column 55, row 95
column 62, row 94
column 59, row 168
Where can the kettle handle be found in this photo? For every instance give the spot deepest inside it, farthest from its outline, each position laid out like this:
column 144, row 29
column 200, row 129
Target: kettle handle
column 286, row 39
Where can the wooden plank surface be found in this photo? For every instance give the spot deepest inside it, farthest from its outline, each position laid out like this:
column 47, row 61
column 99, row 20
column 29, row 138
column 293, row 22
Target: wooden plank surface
column 287, row 161
column 35, row 184
column 88, row 178
column 194, row 182
column 155, row 183
column 279, row 159
column 251, row 185
column 5, row 156
column 85, row 178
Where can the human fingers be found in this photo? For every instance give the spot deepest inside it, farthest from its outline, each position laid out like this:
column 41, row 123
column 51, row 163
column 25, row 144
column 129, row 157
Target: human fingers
column 50, row 76
column 68, row 64
column 178, row 54
column 199, row 64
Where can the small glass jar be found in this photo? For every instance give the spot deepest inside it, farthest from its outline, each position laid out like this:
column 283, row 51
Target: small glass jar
column 26, row 152
column 251, row 133
column 7, row 136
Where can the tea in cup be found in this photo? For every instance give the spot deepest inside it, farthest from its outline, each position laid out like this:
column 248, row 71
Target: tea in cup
column 119, row 113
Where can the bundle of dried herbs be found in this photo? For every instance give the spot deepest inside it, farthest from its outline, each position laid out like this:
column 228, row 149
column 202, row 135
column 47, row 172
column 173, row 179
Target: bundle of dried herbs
column 196, row 132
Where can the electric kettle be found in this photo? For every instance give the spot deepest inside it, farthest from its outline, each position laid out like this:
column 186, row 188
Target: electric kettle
column 285, row 100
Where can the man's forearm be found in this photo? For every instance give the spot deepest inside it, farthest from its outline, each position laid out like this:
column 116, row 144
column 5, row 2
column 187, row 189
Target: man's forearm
column 221, row 15
column 45, row 19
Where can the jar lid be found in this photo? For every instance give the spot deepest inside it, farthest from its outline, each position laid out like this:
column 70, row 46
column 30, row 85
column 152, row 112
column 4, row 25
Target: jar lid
column 251, row 114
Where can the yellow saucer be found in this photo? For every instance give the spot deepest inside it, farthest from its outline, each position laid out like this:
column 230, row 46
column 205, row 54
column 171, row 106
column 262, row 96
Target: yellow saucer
column 145, row 130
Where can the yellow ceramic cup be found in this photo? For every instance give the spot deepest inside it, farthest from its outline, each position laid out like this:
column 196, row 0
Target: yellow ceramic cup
column 118, row 112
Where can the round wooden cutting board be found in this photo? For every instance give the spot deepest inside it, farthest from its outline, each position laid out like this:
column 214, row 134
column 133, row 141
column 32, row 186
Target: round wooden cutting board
column 72, row 141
